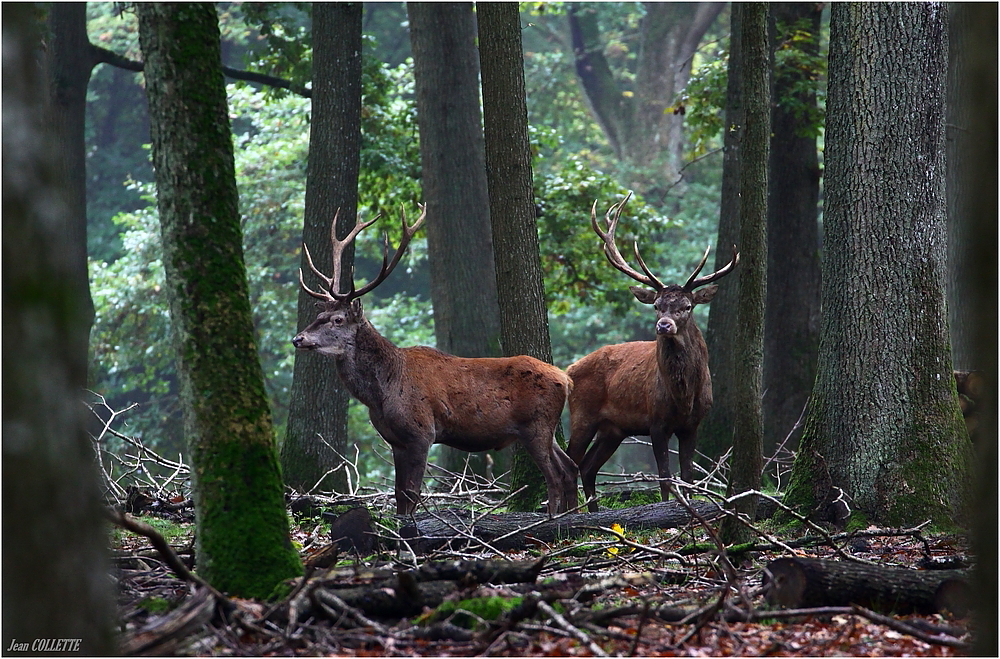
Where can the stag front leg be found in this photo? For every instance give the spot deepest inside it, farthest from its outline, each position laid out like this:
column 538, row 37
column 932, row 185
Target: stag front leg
column 660, row 440
column 686, row 441
column 410, row 460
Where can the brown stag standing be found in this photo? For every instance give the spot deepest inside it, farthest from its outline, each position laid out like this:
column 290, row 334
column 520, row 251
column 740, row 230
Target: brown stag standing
column 420, row 396
column 657, row 388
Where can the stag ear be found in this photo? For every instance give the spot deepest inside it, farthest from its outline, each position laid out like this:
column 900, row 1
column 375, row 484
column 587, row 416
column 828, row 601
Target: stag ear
column 356, row 307
column 705, row 295
column 644, row 295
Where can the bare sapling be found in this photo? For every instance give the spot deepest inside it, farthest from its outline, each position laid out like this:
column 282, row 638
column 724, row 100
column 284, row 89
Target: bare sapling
column 420, row 396
column 658, row 388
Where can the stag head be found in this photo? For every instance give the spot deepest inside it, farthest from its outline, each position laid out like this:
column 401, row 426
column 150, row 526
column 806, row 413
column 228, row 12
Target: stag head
column 673, row 304
column 341, row 313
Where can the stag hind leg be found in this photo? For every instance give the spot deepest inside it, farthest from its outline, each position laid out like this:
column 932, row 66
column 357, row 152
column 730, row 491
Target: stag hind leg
column 605, row 444
column 538, row 442
column 569, row 472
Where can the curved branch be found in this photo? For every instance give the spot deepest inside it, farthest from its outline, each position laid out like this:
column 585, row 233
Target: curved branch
column 105, row 56
column 600, row 89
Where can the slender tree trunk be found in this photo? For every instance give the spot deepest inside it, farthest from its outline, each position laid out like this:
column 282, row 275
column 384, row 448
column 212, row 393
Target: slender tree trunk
column 524, row 327
column 883, row 424
column 69, row 65
column 242, row 544
column 715, row 435
column 316, row 438
column 54, row 559
column 459, row 242
column 746, row 463
column 791, row 322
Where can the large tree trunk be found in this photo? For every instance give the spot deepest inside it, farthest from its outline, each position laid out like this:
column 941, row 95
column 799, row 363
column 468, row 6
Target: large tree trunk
column 54, row 559
column 242, row 544
column 317, row 415
column 746, row 463
column 715, row 435
column 791, row 321
column 636, row 121
column 884, row 424
column 459, row 242
column 524, row 325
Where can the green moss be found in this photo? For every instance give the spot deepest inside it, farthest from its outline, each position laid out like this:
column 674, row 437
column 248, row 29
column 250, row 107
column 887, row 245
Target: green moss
column 858, row 521
column 487, row 608
column 155, row 605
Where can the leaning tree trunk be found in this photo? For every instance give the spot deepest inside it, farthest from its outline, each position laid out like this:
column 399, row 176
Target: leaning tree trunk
column 883, row 424
column 459, row 242
column 746, row 463
column 54, row 560
column 316, row 438
column 524, row 325
column 791, row 320
column 242, row 542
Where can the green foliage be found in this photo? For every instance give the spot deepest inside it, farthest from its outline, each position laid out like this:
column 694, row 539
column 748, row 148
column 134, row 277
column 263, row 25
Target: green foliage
column 155, row 605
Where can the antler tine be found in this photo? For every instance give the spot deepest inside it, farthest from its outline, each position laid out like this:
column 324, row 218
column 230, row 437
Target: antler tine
column 319, row 296
column 718, row 274
column 642, row 264
column 701, row 264
column 614, row 256
column 337, row 254
column 387, row 265
column 326, row 280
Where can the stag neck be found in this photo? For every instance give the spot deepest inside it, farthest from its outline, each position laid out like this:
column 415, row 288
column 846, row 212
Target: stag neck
column 373, row 364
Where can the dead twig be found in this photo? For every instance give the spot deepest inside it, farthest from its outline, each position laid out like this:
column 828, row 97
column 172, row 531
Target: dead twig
column 575, row 632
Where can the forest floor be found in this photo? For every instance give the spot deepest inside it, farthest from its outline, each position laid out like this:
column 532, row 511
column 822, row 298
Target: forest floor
column 594, row 595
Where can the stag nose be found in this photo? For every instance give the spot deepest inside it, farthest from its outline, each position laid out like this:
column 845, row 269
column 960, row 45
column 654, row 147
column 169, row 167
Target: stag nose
column 666, row 326
column 297, row 341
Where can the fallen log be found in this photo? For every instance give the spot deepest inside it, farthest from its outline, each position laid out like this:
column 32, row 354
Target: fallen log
column 814, row 582
column 428, row 531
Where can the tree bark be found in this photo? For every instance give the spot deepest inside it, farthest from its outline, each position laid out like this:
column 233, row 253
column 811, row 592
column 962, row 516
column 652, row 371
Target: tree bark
column 317, row 415
column 791, row 319
column 524, row 326
column 459, row 242
column 69, row 63
column 242, row 544
column 715, row 435
column 884, row 424
column 54, row 559
column 746, row 463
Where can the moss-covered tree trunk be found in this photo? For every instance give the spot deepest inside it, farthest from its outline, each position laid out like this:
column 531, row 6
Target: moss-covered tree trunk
column 524, row 324
column 317, row 413
column 55, row 546
column 242, row 546
column 459, row 242
column 883, row 423
column 748, row 344
column 791, row 323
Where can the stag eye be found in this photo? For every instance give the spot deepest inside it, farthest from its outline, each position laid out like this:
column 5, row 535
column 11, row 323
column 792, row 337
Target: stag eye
column 337, row 320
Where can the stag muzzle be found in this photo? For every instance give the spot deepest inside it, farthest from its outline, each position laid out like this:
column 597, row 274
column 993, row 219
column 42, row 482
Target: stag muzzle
column 300, row 342
column 666, row 327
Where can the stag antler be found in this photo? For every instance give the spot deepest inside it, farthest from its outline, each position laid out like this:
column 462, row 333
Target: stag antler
column 332, row 292
column 646, row 276
column 615, row 257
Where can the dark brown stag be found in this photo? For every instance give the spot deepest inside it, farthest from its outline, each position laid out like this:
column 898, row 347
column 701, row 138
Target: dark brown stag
column 657, row 388
column 420, row 396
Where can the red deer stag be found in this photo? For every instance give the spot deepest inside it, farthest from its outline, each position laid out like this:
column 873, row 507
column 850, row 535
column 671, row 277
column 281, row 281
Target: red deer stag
column 657, row 388
column 420, row 396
